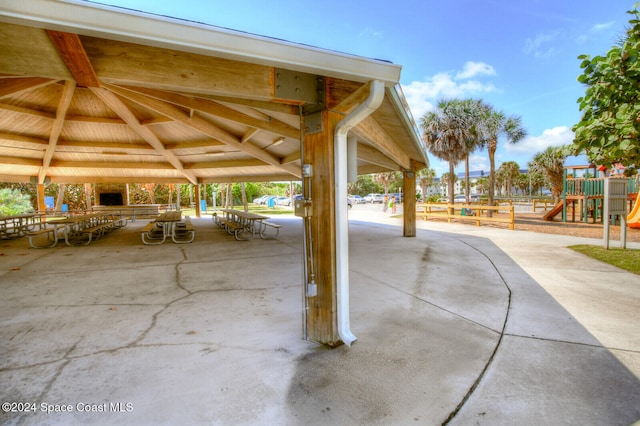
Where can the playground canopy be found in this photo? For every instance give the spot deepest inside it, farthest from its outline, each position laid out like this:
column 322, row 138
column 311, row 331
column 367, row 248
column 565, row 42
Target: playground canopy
column 91, row 93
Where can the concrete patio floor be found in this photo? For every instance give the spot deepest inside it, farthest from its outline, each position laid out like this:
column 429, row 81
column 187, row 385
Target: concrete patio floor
column 460, row 325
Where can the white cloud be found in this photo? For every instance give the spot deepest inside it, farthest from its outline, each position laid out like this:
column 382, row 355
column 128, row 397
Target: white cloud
column 422, row 95
column 541, row 45
column 603, row 26
column 557, row 136
column 595, row 32
column 472, row 69
column 478, row 162
column 369, row 33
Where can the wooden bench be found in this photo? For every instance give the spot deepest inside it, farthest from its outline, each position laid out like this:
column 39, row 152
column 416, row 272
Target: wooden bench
column 448, row 211
column 97, row 231
column 276, row 229
column 184, row 232
column 152, row 233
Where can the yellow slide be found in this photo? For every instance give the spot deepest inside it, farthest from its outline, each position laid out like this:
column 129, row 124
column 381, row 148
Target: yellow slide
column 633, row 219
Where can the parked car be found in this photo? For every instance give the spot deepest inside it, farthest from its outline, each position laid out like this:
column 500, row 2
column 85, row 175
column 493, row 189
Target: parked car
column 373, row 198
column 268, row 199
column 398, row 196
column 463, row 198
column 259, row 200
column 281, row 200
column 356, row 199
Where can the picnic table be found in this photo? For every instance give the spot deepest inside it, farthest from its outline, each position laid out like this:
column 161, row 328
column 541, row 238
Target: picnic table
column 76, row 230
column 169, row 224
column 16, row 226
column 244, row 225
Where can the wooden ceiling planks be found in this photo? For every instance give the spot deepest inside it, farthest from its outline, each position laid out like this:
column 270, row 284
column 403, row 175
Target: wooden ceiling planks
column 203, row 118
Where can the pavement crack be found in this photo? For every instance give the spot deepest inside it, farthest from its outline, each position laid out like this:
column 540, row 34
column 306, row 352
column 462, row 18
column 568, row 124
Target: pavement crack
column 185, row 258
column 475, row 384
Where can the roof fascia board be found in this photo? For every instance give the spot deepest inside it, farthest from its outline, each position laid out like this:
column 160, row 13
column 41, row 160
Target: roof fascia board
column 399, row 101
column 103, row 21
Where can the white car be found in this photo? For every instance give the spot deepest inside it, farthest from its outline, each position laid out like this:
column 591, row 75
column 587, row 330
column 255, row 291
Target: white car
column 373, row 198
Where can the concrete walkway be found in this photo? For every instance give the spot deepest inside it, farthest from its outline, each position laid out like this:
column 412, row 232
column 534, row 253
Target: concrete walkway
column 460, row 325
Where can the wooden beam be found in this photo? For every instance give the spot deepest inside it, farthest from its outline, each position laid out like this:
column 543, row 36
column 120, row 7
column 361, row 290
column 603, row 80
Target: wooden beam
column 369, row 130
column 225, row 164
column 291, row 158
column 371, row 155
column 118, row 62
column 123, row 111
column 27, row 111
column 28, row 141
column 352, row 101
column 214, row 108
column 15, row 86
column 112, row 165
column 61, row 112
column 247, row 136
column 290, row 109
column 74, row 56
column 20, row 161
column 29, row 51
column 119, row 179
column 246, row 178
column 204, row 126
column 104, row 145
column 204, row 143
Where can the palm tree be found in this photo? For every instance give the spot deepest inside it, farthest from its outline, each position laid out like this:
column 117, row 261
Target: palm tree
column 473, row 110
column 522, row 182
column 384, row 179
column 425, row 180
column 510, row 171
column 446, row 133
column 492, row 125
column 551, row 163
column 482, row 184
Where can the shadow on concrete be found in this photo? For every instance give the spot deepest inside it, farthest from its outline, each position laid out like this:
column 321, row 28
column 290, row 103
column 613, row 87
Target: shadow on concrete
column 449, row 327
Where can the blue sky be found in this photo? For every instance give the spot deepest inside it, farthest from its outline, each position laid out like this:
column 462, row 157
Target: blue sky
column 520, row 56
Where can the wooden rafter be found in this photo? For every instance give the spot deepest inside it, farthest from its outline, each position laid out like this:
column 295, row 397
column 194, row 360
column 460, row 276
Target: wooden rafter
column 373, row 156
column 225, row 164
column 219, row 110
column 18, row 161
column 369, row 130
column 203, row 126
column 75, row 57
column 247, row 136
column 14, row 86
column 123, row 111
column 112, row 165
column 61, row 112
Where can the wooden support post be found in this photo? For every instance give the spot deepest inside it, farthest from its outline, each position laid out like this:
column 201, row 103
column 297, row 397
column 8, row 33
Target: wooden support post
column 198, row 212
column 409, row 201
column 321, row 319
column 87, row 196
column 42, row 206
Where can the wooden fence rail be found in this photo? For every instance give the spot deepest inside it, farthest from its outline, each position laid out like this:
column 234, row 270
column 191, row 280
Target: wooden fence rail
column 472, row 212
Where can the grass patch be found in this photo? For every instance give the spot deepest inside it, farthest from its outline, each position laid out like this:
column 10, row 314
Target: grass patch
column 626, row 259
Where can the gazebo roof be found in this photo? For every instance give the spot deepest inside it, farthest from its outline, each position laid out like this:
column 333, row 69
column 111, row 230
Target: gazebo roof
column 90, row 93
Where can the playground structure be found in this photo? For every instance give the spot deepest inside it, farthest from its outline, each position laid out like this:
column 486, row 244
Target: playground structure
column 583, row 194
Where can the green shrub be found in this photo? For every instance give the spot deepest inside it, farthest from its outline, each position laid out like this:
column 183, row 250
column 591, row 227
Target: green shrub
column 13, row 202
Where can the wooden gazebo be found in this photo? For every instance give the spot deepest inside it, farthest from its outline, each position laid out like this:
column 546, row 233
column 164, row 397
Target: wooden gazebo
column 96, row 94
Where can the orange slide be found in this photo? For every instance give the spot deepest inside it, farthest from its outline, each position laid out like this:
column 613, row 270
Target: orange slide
column 553, row 212
column 633, row 219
